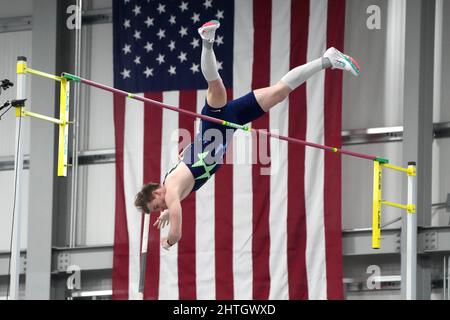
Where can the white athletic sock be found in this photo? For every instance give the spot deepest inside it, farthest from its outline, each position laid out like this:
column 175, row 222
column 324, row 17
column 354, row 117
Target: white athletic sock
column 294, row 78
column 208, row 62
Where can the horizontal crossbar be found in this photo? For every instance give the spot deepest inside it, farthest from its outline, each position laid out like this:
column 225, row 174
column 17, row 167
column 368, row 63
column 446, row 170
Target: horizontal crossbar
column 151, row 102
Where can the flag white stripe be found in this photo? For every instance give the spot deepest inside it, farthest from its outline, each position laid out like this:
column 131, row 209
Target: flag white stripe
column 168, row 276
column 145, row 232
column 314, row 158
column 242, row 145
column 133, row 157
column 279, row 65
column 204, row 238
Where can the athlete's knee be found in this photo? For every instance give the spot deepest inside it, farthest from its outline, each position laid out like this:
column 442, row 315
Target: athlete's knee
column 216, row 100
column 280, row 92
column 216, row 95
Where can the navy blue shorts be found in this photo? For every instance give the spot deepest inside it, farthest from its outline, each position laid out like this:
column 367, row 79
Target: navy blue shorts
column 205, row 155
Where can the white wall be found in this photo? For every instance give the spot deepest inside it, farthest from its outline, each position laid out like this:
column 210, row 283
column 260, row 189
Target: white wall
column 97, row 182
column 16, row 8
column 441, row 180
column 101, row 111
column 96, row 213
column 100, row 4
column 367, row 104
column 441, row 112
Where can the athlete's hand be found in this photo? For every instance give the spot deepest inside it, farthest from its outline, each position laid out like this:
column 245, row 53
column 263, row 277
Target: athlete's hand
column 165, row 244
column 163, row 220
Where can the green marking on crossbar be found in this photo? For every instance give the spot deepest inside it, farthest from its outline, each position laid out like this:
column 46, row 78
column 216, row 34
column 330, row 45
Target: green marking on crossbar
column 381, row 160
column 71, row 77
column 236, row 126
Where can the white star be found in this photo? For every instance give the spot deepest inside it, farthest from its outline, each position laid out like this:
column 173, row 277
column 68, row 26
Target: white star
column 219, row 40
column 172, row 45
column 183, row 31
column 148, row 72
column 126, row 1
column 161, row 34
column 182, row 56
column 137, row 10
column 196, row 17
column 195, row 43
column 126, row 49
column 137, row 60
column 149, row 22
column 149, row 47
column 172, row 20
column 127, row 24
column 161, row 8
column 207, row 4
column 219, row 65
column 172, row 70
column 125, row 74
column 194, row 68
column 183, row 6
column 160, row 59
column 219, row 14
column 137, row 35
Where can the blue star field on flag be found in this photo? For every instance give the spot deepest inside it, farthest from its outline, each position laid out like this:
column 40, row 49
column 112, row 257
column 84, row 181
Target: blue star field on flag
column 157, row 46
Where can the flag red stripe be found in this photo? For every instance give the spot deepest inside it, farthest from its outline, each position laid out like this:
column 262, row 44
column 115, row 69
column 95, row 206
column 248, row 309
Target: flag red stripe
column 121, row 250
column 152, row 173
column 262, row 22
column 332, row 163
column 223, row 233
column 186, row 247
column 296, row 218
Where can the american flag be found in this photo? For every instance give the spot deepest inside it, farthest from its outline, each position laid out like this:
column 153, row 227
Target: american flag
column 245, row 234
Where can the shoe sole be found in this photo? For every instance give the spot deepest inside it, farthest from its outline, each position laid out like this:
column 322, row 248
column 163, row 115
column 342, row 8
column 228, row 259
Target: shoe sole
column 214, row 24
column 350, row 60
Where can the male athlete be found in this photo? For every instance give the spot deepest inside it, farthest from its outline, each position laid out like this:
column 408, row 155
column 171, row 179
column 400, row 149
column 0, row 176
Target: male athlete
column 198, row 162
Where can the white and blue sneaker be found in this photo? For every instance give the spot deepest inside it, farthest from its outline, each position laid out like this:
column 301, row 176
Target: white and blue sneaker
column 342, row 61
column 208, row 30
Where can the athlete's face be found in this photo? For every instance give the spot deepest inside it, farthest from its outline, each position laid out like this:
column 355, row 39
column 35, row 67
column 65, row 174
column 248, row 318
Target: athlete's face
column 158, row 203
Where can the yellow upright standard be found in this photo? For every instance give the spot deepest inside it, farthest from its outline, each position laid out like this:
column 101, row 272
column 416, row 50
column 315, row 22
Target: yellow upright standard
column 378, row 202
column 62, row 121
column 376, row 206
column 63, row 128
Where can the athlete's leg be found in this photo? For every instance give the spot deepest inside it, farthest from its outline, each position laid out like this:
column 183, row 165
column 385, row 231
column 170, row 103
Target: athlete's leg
column 216, row 95
column 271, row 96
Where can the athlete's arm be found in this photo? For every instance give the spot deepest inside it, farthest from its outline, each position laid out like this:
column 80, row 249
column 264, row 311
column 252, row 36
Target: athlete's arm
column 174, row 208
